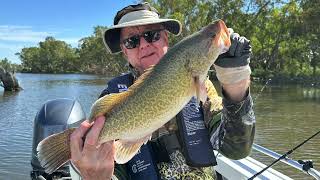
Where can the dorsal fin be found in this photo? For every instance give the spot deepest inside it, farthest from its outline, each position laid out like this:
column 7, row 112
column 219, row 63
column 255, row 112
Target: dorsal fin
column 106, row 103
column 140, row 79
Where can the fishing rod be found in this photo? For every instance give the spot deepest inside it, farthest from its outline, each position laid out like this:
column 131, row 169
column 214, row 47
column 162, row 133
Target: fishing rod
column 283, row 156
column 261, row 90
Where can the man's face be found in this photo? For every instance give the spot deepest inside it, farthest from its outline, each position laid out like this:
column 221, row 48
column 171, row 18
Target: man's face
column 145, row 54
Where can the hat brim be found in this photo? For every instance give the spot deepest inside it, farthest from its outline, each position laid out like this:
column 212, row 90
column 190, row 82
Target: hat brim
column 111, row 36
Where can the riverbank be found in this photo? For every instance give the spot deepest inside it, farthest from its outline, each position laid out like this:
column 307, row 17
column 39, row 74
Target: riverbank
column 306, row 81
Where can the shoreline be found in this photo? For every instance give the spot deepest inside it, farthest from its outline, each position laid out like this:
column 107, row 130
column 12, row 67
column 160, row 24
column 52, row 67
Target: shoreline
column 273, row 80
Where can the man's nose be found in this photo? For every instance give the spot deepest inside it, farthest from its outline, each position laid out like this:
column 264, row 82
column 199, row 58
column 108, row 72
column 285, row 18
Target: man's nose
column 143, row 43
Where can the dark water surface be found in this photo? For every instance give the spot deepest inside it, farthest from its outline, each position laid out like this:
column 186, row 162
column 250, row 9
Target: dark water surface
column 286, row 115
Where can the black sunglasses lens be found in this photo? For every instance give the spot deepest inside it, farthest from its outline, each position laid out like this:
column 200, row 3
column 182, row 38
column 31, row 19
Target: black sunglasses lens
column 151, row 36
column 132, row 42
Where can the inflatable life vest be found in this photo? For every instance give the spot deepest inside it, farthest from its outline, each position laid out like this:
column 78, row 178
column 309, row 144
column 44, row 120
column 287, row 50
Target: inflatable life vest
column 193, row 137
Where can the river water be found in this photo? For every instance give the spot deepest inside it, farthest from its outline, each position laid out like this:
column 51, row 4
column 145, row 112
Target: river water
column 286, row 116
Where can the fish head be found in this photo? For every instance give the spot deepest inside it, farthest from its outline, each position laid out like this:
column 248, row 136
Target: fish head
column 207, row 45
column 220, row 42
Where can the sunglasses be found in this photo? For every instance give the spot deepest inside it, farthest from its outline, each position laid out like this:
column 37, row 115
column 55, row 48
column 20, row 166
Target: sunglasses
column 149, row 36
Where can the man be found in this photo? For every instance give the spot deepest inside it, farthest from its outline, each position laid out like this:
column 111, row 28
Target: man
column 143, row 39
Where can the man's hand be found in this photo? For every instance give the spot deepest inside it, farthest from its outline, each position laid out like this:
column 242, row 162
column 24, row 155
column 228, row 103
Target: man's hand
column 232, row 67
column 94, row 161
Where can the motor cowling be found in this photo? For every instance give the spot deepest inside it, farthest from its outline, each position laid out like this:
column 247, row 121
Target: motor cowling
column 54, row 116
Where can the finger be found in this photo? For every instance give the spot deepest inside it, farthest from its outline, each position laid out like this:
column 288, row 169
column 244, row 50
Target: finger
column 76, row 141
column 106, row 156
column 230, row 30
column 245, row 58
column 247, row 48
column 234, row 43
column 84, row 126
column 234, row 35
column 241, row 44
column 93, row 134
column 106, row 150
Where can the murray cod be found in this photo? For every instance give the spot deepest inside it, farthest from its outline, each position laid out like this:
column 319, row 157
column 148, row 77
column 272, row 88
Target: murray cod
column 155, row 98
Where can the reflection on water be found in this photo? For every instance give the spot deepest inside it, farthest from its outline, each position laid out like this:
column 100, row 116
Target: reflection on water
column 286, row 116
column 311, row 93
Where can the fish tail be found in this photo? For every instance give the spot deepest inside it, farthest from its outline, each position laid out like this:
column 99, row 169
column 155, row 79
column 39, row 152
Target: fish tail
column 54, row 151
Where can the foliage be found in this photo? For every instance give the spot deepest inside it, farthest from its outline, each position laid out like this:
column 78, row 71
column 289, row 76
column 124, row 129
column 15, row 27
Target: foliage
column 52, row 56
column 94, row 57
column 284, row 36
column 9, row 66
column 55, row 56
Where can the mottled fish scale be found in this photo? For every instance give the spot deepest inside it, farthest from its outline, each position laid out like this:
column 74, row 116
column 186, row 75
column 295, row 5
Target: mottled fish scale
column 160, row 109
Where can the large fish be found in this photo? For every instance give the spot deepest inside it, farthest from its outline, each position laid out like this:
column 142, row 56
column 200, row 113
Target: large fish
column 156, row 97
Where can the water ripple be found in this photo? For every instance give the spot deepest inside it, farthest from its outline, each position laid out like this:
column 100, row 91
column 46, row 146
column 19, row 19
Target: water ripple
column 286, row 116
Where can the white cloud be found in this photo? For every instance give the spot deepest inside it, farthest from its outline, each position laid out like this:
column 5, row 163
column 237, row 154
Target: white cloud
column 22, row 34
column 71, row 41
column 14, row 37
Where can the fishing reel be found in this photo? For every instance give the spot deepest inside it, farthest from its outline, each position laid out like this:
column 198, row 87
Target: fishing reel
column 306, row 164
column 54, row 116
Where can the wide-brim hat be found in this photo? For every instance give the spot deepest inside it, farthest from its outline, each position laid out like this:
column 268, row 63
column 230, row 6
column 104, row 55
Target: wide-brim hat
column 111, row 36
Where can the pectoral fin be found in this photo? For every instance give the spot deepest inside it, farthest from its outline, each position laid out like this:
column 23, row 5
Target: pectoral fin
column 126, row 149
column 201, row 90
column 197, row 87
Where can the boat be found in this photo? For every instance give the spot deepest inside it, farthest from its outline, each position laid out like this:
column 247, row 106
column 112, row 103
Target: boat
column 59, row 114
column 248, row 167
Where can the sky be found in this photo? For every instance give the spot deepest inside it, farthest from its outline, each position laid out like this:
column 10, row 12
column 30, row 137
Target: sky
column 24, row 23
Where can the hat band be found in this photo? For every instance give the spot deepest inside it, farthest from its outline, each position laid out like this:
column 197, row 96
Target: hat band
column 137, row 15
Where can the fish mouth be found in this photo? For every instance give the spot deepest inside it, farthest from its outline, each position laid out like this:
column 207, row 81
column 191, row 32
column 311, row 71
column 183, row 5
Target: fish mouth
column 222, row 39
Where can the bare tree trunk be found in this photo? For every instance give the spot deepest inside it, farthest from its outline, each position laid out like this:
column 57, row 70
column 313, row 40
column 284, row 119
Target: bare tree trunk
column 9, row 81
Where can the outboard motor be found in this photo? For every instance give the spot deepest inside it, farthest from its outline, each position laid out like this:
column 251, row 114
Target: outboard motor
column 54, row 116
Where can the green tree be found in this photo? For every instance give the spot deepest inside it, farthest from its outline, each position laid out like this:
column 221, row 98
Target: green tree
column 284, row 36
column 30, row 59
column 9, row 66
column 52, row 56
column 310, row 18
column 57, row 56
column 5, row 63
column 94, row 57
